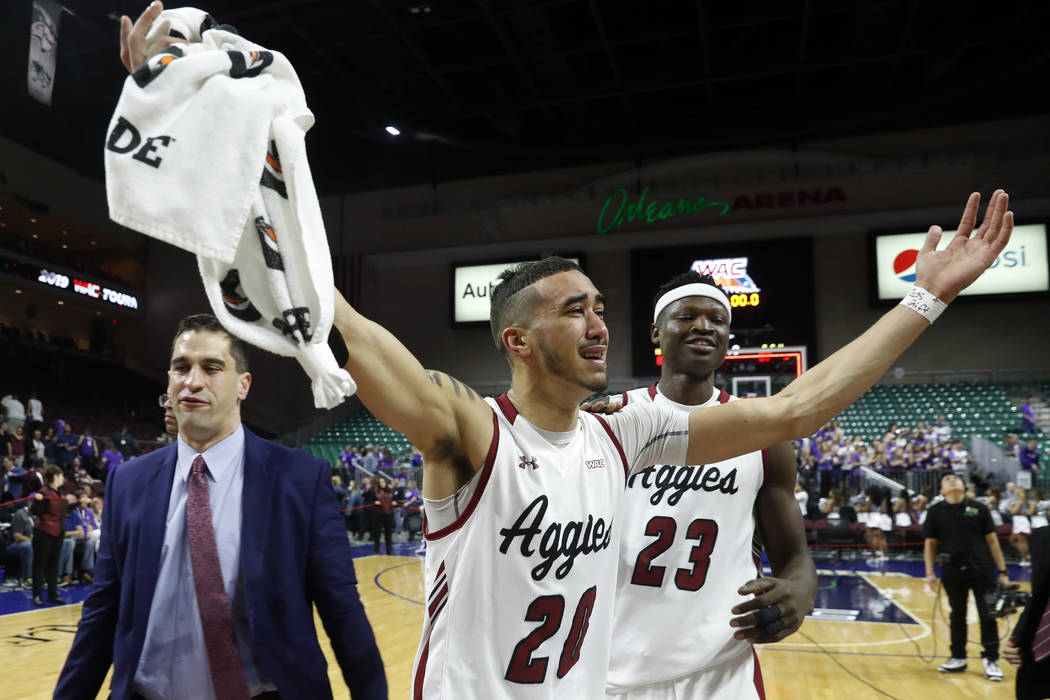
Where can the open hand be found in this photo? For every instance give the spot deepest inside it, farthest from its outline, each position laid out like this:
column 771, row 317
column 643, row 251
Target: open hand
column 133, row 49
column 945, row 273
column 759, row 619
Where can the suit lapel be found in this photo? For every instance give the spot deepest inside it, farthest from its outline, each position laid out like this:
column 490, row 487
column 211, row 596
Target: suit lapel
column 256, row 495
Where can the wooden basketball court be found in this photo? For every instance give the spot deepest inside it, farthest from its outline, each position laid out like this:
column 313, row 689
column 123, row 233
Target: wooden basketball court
column 828, row 658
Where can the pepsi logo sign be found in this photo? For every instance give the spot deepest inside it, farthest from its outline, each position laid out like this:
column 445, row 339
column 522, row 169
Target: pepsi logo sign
column 1022, row 267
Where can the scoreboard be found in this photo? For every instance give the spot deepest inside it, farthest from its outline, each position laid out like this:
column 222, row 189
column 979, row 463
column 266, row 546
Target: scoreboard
column 769, row 284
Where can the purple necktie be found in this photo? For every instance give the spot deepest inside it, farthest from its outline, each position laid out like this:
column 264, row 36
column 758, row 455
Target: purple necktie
column 227, row 673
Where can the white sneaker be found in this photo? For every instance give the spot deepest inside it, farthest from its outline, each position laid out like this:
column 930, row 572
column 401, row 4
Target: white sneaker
column 992, row 671
column 954, row 665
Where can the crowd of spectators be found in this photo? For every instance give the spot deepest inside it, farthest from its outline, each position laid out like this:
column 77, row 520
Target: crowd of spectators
column 915, row 455
column 51, row 495
column 379, row 493
column 378, row 489
column 842, row 506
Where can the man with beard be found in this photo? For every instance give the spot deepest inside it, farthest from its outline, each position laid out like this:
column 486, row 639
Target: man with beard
column 687, row 561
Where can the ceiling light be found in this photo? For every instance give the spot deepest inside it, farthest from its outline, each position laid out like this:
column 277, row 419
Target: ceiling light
column 393, row 130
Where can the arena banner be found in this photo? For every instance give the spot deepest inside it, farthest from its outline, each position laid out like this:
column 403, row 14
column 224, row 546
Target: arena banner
column 1022, row 268
column 43, row 48
column 472, row 287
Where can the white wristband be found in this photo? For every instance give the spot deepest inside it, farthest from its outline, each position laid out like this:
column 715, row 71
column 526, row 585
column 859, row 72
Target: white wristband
column 923, row 303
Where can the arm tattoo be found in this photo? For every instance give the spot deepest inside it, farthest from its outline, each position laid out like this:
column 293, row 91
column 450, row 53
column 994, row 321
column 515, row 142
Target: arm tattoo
column 435, row 377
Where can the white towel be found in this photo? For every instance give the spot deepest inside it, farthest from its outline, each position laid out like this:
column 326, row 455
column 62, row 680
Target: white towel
column 205, row 151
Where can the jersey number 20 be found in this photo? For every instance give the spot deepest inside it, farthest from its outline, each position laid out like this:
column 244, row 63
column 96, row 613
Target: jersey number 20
column 664, row 528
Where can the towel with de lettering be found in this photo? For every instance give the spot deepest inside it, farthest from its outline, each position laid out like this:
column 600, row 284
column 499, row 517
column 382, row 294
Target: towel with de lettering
column 206, row 151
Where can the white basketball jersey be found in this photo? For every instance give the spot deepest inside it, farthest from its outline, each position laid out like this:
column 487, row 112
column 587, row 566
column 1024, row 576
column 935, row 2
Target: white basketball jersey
column 686, row 546
column 520, row 586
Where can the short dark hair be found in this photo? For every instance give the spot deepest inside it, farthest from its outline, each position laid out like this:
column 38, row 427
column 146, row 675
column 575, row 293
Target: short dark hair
column 505, row 306
column 51, row 472
column 210, row 324
column 682, row 279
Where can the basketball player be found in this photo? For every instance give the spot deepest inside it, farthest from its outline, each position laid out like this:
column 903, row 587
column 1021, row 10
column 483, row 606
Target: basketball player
column 686, row 559
column 522, row 492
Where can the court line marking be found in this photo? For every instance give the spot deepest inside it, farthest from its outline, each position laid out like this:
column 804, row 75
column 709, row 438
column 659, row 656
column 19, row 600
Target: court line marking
column 780, row 648
column 387, row 590
column 888, row 642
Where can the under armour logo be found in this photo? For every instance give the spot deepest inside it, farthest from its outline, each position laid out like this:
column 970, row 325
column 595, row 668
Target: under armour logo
column 527, row 462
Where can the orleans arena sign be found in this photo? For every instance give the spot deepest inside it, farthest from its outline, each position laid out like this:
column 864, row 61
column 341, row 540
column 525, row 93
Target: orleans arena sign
column 619, row 209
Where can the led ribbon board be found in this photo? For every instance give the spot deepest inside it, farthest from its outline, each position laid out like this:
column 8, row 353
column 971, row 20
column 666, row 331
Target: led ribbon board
column 63, row 281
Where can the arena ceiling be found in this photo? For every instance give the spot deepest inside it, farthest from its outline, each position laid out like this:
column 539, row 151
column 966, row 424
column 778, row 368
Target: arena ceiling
column 480, row 87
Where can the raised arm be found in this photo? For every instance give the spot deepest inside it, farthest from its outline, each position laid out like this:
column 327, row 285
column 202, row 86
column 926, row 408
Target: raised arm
column 447, row 420
column 829, row 387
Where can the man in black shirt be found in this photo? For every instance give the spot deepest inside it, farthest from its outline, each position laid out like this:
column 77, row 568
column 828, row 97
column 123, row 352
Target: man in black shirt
column 961, row 531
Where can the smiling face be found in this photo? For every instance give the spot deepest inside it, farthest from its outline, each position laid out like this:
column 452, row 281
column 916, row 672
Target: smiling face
column 205, row 388
column 693, row 335
column 566, row 337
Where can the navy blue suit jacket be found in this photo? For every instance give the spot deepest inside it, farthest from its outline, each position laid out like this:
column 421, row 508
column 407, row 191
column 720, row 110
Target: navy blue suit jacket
column 294, row 552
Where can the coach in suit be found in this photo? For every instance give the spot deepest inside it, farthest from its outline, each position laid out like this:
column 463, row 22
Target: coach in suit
column 1033, row 677
column 190, row 606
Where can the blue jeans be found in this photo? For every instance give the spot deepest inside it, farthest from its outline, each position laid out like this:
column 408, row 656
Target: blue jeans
column 87, row 555
column 65, row 557
column 24, row 552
